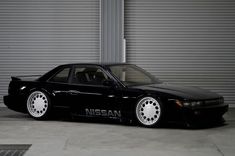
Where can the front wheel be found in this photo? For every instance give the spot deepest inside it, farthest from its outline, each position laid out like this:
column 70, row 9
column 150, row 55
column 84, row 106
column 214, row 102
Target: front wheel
column 38, row 105
column 149, row 112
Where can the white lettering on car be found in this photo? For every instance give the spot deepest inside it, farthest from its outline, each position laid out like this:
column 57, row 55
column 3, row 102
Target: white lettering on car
column 103, row 112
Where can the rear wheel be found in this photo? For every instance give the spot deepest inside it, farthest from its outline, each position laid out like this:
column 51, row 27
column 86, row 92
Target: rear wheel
column 149, row 112
column 38, row 105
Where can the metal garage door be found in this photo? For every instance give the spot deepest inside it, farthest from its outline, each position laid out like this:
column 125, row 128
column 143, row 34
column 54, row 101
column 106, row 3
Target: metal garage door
column 37, row 35
column 189, row 42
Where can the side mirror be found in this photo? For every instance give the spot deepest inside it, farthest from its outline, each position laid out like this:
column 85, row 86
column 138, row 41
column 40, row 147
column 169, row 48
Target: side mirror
column 109, row 83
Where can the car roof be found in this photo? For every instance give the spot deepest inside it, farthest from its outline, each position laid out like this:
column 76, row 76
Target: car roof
column 96, row 64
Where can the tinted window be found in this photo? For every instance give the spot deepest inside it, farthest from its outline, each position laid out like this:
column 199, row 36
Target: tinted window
column 132, row 75
column 89, row 75
column 62, row 76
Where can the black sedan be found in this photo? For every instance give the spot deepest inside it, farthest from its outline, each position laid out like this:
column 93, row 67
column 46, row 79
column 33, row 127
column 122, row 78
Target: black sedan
column 117, row 91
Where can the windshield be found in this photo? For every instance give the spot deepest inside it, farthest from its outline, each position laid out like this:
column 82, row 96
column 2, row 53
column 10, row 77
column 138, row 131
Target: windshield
column 131, row 75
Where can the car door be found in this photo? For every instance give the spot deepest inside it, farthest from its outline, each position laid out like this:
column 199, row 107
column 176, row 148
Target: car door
column 58, row 86
column 90, row 97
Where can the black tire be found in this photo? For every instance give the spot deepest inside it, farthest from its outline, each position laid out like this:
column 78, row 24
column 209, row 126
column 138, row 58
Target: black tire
column 38, row 105
column 149, row 112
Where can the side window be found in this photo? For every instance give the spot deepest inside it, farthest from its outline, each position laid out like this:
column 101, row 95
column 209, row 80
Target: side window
column 62, row 76
column 89, row 75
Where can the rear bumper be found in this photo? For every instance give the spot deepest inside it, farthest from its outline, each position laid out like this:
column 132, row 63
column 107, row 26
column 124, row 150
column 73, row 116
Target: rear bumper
column 15, row 103
column 204, row 114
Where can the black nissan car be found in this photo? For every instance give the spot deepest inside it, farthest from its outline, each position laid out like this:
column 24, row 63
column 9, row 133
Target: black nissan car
column 115, row 91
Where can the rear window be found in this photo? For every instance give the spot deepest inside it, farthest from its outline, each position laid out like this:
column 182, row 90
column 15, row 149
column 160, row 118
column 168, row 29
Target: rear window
column 62, row 76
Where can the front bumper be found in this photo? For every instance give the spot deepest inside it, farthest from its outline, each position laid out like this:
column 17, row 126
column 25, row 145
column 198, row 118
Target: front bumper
column 204, row 114
column 15, row 103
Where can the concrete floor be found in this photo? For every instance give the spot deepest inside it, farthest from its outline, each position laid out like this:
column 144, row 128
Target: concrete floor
column 62, row 138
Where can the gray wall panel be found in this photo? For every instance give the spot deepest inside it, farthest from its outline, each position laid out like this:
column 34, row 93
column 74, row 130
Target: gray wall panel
column 36, row 36
column 112, row 30
column 188, row 42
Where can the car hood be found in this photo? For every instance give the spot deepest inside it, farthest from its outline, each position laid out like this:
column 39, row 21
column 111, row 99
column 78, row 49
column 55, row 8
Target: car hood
column 191, row 93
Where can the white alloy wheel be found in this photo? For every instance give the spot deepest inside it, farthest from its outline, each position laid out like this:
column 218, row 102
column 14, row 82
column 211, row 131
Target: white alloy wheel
column 37, row 104
column 148, row 111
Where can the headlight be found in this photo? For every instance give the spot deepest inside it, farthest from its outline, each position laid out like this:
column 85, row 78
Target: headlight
column 192, row 103
column 188, row 103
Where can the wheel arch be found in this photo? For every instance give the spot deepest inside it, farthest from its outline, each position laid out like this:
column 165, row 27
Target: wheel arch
column 132, row 116
column 159, row 104
column 47, row 104
column 39, row 89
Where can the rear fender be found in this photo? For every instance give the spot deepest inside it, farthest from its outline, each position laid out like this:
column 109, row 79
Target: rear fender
column 40, row 89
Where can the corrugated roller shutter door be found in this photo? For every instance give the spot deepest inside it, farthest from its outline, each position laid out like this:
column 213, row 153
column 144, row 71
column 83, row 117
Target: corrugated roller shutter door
column 36, row 36
column 188, row 42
